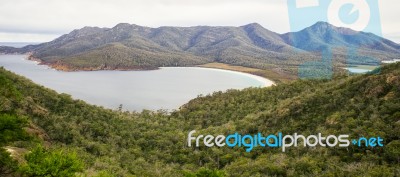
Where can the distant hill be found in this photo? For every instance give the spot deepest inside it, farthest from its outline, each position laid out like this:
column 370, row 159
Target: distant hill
column 322, row 35
column 127, row 46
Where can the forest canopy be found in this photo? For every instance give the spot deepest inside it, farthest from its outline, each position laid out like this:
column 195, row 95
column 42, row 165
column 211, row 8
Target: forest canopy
column 36, row 123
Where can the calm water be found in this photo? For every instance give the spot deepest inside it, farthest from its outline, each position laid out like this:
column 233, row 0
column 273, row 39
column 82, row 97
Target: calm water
column 358, row 70
column 17, row 44
column 167, row 88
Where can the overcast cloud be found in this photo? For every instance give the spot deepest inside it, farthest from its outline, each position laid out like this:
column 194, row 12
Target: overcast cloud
column 44, row 20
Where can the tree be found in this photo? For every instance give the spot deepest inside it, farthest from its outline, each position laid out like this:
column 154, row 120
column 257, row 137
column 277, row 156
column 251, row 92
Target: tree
column 49, row 163
column 204, row 172
column 11, row 128
column 7, row 164
column 120, row 107
column 393, row 150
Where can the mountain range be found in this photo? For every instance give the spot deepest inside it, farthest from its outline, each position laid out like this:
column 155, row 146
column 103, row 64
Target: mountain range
column 133, row 47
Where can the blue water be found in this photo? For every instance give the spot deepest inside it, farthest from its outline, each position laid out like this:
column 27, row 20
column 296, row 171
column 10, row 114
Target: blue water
column 357, row 70
column 16, row 44
column 167, row 88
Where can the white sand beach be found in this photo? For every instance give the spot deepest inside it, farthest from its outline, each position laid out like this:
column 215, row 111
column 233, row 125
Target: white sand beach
column 266, row 82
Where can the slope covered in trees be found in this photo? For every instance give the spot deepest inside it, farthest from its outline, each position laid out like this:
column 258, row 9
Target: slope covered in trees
column 114, row 143
column 127, row 46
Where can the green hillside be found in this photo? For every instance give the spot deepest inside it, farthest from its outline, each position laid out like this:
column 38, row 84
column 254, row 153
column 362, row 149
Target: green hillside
column 134, row 47
column 89, row 140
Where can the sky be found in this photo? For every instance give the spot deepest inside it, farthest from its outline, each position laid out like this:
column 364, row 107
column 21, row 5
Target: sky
column 45, row 20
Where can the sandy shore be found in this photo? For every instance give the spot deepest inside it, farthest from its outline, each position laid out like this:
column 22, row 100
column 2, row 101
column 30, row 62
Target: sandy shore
column 266, row 82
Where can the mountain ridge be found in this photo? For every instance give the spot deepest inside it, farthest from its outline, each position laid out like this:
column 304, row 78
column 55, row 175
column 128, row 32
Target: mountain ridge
column 129, row 46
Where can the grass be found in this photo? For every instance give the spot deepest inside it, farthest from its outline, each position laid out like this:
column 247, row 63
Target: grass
column 16, row 153
column 274, row 75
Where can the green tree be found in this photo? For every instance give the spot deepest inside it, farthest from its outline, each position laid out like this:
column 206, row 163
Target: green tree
column 393, row 150
column 11, row 128
column 49, row 163
column 7, row 164
column 204, row 172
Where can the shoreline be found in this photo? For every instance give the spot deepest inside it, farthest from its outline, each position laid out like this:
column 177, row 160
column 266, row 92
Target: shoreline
column 65, row 67
column 266, row 82
column 274, row 75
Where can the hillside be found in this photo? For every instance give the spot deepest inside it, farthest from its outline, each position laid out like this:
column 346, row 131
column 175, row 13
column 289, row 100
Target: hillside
column 130, row 47
column 154, row 143
column 342, row 41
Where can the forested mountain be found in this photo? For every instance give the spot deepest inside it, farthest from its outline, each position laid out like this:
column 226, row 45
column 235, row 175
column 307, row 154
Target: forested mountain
column 115, row 143
column 323, row 34
column 344, row 43
column 127, row 46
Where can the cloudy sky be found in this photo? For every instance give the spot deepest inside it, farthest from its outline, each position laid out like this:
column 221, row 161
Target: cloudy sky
column 44, row 20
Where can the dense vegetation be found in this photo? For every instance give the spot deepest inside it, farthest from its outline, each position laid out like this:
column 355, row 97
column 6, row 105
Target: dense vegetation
column 115, row 143
column 130, row 47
